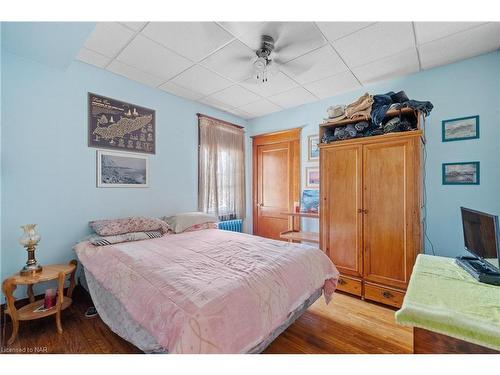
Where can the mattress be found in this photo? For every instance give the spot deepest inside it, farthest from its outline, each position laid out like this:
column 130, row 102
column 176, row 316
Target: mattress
column 119, row 321
column 208, row 291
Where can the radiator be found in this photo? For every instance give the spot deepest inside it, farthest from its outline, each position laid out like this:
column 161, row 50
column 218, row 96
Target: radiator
column 231, row 225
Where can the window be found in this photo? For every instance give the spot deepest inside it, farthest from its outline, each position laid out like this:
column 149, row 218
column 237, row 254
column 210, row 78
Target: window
column 221, row 169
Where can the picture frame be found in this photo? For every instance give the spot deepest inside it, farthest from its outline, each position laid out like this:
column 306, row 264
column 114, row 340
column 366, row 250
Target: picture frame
column 312, row 178
column 309, row 201
column 312, row 147
column 462, row 173
column 117, row 125
column 459, row 129
column 122, row 170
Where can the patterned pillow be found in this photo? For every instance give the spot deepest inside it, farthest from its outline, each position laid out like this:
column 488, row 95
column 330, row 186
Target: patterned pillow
column 181, row 222
column 128, row 225
column 201, row 226
column 127, row 237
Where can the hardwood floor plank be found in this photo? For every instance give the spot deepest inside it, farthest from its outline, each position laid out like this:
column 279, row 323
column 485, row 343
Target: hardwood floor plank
column 346, row 325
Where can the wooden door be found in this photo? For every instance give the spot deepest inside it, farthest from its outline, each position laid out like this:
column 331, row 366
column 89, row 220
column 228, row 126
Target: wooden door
column 341, row 200
column 276, row 184
column 390, row 199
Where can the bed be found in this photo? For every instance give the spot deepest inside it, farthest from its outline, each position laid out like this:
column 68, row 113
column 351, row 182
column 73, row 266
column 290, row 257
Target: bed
column 206, row 291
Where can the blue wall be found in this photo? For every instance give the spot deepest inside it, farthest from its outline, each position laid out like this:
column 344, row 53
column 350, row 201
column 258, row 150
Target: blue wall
column 1, row 27
column 49, row 173
column 470, row 87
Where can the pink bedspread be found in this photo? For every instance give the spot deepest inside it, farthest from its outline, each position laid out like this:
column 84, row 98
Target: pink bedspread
column 209, row 291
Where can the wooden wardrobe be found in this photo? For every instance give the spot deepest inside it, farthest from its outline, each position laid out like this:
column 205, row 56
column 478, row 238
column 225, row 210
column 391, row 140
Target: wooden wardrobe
column 370, row 212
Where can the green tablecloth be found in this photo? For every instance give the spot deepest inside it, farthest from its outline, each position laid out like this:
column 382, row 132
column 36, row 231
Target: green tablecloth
column 444, row 298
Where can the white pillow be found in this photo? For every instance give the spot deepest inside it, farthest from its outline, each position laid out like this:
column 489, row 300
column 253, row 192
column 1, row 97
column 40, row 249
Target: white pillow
column 182, row 221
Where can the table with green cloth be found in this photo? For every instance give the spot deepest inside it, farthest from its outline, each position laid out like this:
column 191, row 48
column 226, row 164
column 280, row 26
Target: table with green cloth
column 444, row 298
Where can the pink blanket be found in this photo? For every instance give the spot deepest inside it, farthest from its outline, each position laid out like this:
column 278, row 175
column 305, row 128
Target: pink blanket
column 209, row 291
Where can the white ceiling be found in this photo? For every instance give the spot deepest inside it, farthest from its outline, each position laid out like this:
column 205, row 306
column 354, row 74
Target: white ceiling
column 211, row 62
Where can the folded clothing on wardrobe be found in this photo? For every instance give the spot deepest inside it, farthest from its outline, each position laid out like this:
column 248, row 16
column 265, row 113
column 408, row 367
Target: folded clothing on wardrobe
column 391, row 100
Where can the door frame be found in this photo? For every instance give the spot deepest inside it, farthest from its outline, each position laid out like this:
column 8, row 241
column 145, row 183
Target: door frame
column 289, row 135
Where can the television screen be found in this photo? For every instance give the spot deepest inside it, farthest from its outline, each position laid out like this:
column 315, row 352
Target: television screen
column 481, row 235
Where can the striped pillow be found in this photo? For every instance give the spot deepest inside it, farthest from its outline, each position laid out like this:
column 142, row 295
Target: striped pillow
column 127, row 237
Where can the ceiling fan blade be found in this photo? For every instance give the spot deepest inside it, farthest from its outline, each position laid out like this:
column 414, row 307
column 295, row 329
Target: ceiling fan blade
column 281, row 47
column 295, row 68
column 243, row 59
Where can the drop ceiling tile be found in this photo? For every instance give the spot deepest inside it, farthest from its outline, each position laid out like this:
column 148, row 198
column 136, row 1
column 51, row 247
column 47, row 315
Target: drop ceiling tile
column 135, row 26
column 92, row 58
column 333, row 85
column 240, row 113
column 235, row 96
column 337, row 30
column 428, row 31
column 202, row 80
column 134, row 74
column 216, row 104
column 108, row 38
column 276, row 84
column 460, row 46
column 260, row 108
column 389, row 67
column 194, row 40
column 180, row 91
column 321, row 63
column 150, row 57
column 375, row 42
column 291, row 39
column 233, row 61
column 292, row 98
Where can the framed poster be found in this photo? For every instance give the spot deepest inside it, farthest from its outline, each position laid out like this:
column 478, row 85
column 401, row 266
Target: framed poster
column 121, row 169
column 310, row 201
column 466, row 173
column 458, row 129
column 312, row 177
column 312, row 147
column 118, row 125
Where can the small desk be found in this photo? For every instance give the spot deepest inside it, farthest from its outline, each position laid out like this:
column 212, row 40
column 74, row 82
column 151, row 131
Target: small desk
column 293, row 234
column 27, row 312
column 450, row 311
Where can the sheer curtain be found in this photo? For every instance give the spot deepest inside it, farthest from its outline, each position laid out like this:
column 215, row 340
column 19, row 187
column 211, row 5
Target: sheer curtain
column 221, row 169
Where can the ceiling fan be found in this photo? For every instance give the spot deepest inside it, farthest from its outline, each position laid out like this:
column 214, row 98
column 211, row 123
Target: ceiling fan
column 267, row 62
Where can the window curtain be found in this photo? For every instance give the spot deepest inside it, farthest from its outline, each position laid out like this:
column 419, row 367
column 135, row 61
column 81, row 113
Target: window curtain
column 221, row 173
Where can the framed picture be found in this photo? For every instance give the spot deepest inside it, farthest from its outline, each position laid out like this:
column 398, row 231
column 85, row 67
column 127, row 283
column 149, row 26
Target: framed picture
column 312, row 147
column 120, row 169
column 458, row 129
column 312, row 177
column 466, row 173
column 121, row 126
column 310, row 201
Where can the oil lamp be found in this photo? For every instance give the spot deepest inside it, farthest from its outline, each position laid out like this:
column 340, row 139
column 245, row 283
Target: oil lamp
column 29, row 240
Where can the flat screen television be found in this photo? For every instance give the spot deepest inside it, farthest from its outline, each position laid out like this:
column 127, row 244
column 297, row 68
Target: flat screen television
column 481, row 235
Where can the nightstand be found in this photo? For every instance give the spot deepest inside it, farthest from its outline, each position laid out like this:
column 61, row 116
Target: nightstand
column 51, row 272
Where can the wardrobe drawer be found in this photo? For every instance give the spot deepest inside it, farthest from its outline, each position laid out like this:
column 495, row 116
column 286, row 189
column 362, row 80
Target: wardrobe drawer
column 387, row 296
column 349, row 285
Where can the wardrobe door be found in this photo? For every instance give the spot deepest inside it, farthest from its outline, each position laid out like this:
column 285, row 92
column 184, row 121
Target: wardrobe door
column 341, row 218
column 389, row 200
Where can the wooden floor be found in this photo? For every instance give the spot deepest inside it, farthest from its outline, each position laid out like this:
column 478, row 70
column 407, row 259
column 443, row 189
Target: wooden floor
column 347, row 325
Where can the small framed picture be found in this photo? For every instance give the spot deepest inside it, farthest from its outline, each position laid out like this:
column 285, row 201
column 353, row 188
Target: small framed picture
column 310, row 201
column 466, row 173
column 459, row 129
column 312, row 177
column 120, row 169
column 312, row 147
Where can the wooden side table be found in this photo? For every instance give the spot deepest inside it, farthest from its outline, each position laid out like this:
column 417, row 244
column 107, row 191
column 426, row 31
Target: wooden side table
column 50, row 272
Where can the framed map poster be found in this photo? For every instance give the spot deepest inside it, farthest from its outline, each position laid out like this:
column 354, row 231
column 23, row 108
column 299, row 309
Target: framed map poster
column 118, row 125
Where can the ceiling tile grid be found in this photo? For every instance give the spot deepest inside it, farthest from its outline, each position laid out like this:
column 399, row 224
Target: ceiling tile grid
column 211, row 62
